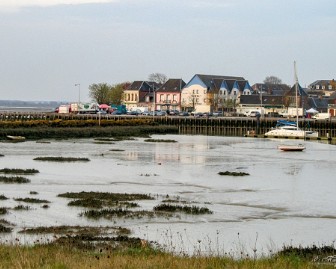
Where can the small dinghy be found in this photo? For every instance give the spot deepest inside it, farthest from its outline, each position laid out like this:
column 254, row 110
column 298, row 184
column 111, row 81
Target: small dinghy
column 298, row 147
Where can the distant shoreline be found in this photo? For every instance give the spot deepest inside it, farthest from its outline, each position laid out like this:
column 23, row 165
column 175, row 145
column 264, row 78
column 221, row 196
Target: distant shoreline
column 26, row 109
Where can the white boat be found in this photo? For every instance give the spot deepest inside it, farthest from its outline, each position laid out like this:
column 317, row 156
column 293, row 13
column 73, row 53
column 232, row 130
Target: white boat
column 291, row 129
column 16, row 137
column 298, row 147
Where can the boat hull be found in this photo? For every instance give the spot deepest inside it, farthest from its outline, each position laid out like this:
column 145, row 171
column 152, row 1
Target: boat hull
column 291, row 147
column 16, row 138
column 283, row 132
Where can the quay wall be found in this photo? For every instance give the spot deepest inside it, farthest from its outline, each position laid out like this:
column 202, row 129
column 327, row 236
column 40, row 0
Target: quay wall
column 221, row 126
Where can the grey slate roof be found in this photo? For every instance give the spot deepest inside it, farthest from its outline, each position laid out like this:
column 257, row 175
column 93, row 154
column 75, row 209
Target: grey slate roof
column 209, row 80
column 267, row 100
column 172, row 85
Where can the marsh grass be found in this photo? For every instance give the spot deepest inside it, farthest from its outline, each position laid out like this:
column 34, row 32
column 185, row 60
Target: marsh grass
column 5, row 222
column 33, row 192
column 104, row 142
column 117, row 150
column 3, row 210
column 1, row 155
column 18, row 171
column 31, row 200
column 45, row 129
column 14, row 179
column 22, row 207
column 3, row 197
column 77, row 230
column 61, row 159
column 106, row 196
column 4, row 229
column 194, row 210
column 227, row 173
column 116, row 213
column 160, row 140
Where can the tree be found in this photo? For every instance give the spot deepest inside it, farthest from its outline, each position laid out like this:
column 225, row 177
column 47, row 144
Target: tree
column 116, row 93
column 272, row 80
column 158, row 78
column 100, row 92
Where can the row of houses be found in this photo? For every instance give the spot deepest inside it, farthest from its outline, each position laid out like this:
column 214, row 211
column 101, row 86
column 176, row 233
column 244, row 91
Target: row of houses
column 209, row 93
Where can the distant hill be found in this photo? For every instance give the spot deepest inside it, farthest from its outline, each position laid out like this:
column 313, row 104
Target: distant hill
column 17, row 105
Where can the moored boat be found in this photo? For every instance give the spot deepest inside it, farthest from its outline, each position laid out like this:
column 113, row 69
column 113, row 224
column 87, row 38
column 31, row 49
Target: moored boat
column 16, row 137
column 298, row 147
column 288, row 128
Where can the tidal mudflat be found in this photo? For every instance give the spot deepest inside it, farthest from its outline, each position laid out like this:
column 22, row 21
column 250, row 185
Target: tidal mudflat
column 282, row 199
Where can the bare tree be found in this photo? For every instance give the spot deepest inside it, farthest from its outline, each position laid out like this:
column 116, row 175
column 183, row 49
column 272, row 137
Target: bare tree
column 272, row 80
column 158, row 78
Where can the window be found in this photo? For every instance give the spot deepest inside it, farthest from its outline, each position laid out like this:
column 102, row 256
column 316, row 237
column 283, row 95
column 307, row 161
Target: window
column 317, row 87
column 196, row 91
column 330, row 87
column 323, row 87
column 174, row 97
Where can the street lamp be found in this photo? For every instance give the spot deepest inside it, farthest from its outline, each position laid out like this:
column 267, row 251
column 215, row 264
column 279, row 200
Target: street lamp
column 261, row 101
column 78, row 85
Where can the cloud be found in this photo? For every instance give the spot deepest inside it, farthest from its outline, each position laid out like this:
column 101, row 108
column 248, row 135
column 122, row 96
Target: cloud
column 18, row 4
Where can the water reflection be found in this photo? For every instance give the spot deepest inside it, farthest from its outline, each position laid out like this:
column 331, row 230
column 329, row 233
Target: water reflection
column 294, row 169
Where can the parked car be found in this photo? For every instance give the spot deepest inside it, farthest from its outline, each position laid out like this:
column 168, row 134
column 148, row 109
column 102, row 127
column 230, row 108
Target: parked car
column 217, row 114
column 116, row 112
column 133, row 113
column 174, row 112
column 161, row 113
column 255, row 114
column 252, row 113
column 184, row 114
column 274, row 115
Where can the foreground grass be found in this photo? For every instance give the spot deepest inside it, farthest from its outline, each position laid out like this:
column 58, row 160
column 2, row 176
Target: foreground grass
column 63, row 257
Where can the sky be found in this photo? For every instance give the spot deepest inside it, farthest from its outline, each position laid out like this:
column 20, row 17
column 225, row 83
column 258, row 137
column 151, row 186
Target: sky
column 48, row 47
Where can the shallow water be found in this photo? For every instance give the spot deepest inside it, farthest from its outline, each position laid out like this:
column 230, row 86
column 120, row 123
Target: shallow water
column 288, row 198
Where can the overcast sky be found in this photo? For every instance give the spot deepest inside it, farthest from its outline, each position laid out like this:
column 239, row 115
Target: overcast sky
column 48, row 46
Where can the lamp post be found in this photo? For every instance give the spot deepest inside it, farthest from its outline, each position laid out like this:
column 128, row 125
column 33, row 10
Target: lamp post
column 78, row 85
column 153, row 101
column 261, row 103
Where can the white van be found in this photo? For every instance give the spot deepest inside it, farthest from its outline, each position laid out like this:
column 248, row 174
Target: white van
column 321, row 116
column 252, row 113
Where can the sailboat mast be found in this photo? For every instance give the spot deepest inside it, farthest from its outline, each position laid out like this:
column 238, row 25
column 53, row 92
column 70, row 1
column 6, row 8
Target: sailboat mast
column 296, row 96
